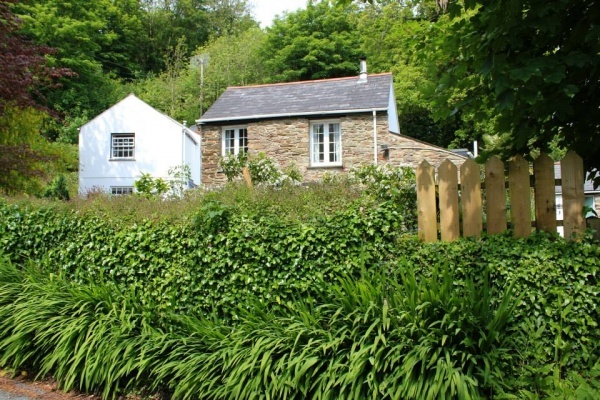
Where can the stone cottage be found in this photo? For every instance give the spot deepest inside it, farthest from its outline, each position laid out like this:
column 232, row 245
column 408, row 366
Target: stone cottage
column 329, row 125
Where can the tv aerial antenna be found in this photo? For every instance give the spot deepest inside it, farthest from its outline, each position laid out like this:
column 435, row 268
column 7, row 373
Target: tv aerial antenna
column 200, row 61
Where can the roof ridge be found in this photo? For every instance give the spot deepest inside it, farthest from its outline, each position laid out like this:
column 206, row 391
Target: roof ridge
column 304, row 82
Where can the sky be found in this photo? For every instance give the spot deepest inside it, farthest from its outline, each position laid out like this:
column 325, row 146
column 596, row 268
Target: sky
column 265, row 10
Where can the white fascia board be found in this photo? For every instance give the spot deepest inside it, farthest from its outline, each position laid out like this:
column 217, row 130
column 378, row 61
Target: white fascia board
column 301, row 114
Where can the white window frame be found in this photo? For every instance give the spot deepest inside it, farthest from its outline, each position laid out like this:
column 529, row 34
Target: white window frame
column 318, row 157
column 238, row 133
column 122, row 146
column 121, row 190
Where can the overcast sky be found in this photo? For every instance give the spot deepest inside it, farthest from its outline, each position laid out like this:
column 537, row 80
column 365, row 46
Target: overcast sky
column 265, row 10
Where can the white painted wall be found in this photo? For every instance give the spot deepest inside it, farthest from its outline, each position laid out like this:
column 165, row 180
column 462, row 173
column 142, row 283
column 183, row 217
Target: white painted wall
column 159, row 145
column 192, row 156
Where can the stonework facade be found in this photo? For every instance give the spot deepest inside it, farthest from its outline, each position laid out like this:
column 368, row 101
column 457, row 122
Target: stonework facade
column 287, row 142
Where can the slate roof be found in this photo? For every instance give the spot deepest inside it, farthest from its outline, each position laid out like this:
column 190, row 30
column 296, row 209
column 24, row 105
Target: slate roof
column 466, row 153
column 326, row 97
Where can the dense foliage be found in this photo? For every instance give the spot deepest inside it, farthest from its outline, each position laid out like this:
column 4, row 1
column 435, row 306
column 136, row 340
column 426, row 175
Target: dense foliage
column 24, row 66
column 456, row 78
column 527, row 69
column 539, row 68
column 315, row 43
column 337, row 303
column 211, row 267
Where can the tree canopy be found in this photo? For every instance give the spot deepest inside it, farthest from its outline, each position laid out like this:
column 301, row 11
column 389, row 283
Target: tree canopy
column 531, row 67
column 24, row 66
column 523, row 75
column 540, row 67
column 25, row 73
column 315, row 43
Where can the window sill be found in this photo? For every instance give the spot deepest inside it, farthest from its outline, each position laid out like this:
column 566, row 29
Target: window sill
column 341, row 167
column 121, row 159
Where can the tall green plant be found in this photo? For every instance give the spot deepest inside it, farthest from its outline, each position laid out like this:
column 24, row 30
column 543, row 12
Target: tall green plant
column 367, row 338
column 393, row 184
column 88, row 337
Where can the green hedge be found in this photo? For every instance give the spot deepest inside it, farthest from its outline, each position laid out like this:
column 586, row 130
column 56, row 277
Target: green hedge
column 205, row 265
column 212, row 264
column 384, row 335
column 558, row 281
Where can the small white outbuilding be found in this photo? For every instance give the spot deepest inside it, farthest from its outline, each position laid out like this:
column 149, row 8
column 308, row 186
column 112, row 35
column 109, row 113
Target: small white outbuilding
column 132, row 138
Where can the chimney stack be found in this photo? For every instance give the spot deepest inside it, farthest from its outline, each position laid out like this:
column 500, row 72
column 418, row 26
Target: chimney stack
column 363, row 70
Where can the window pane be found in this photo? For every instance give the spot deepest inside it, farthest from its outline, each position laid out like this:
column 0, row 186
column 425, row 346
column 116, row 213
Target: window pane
column 335, row 141
column 318, row 143
column 332, row 154
column 123, row 145
column 243, row 140
column 321, row 152
column 120, row 190
column 326, row 143
column 229, row 141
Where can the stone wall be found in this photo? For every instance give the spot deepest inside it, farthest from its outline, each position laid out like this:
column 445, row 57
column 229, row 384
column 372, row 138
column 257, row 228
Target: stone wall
column 287, row 142
column 211, row 154
column 406, row 151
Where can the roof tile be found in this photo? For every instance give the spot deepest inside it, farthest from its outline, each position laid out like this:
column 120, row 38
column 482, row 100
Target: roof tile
column 301, row 98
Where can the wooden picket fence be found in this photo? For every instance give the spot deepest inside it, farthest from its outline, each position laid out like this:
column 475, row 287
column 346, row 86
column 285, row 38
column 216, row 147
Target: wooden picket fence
column 472, row 193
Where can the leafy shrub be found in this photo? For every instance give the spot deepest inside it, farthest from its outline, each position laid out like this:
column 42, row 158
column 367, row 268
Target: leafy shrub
column 210, row 268
column 89, row 337
column 232, row 164
column 366, row 338
column 353, row 339
column 422, row 320
column 173, row 187
column 558, row 280
column 394, row 184
column 149, row 186
column 213, row 218
column 179, row 177
column 263, row 170
column 57, row 189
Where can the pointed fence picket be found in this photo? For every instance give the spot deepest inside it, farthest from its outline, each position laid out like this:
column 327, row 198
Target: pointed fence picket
column 473, row 195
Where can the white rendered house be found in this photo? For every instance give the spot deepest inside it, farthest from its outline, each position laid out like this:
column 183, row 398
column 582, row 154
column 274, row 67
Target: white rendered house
column 132, row 138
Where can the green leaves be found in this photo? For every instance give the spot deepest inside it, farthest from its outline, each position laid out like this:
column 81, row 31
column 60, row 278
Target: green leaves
column 339, row 304
column 315, row 43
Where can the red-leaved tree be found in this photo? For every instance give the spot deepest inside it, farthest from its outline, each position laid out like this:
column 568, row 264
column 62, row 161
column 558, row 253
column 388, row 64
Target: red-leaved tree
column 24, row 69
column 23, row 72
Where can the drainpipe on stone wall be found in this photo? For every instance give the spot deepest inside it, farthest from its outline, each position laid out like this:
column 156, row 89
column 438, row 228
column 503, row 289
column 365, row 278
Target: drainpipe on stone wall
column 374, row 137
column 183, row 150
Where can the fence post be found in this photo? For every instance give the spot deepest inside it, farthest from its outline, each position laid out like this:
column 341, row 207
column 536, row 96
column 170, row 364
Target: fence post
column 427, row 222
column 247, row 177
column 545, row 196
column 572, row 192
column 448, row 191
column 495, row 196
column 470, row 183
column 520, row 200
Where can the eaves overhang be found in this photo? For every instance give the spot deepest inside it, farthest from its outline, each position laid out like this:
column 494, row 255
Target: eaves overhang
column 288, row 115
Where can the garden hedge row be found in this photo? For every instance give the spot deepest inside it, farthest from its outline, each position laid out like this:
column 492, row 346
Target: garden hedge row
column 208, row 264
column 211, row 264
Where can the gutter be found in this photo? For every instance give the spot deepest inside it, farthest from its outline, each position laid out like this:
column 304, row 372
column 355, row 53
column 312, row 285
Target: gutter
column 299, row 114
column 374, row 137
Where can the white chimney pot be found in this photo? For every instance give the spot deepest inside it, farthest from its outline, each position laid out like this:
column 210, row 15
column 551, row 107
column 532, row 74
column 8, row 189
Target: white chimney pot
column 363, row 71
